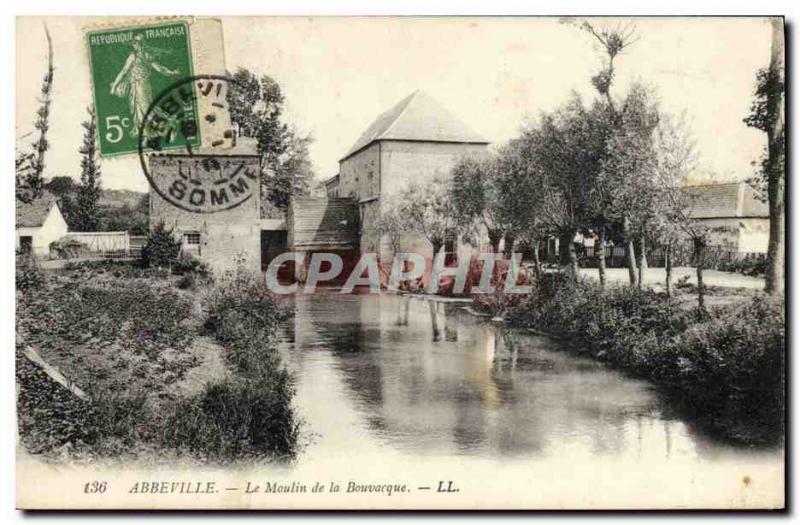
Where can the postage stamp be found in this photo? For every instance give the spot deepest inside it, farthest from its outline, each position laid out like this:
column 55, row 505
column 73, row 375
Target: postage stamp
column 129, row 67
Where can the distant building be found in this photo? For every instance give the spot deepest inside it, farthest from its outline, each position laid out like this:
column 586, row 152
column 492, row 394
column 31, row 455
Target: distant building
column 332, row 187
column 738, row 221
column 414, row 141
column 38, row 224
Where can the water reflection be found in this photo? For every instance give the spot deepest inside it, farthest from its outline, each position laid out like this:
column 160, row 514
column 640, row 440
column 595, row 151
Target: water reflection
column 413, row 375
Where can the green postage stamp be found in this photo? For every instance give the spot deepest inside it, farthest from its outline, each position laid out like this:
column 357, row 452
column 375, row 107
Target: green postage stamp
column 130, row 67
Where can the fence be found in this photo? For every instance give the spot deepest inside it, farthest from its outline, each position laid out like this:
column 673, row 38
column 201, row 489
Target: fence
column 104, row 245
column 682, row 255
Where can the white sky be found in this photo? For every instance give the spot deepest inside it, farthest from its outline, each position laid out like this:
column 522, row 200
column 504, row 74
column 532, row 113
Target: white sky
column 338, row 74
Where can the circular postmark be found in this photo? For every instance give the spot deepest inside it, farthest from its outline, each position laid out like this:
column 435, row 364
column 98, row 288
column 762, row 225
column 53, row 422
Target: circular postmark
column 207, row 181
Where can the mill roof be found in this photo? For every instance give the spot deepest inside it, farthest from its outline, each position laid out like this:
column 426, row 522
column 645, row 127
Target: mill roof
column 418, row 117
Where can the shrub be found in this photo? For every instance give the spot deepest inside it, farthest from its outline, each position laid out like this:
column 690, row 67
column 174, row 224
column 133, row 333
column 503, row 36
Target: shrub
column 68, row 248
column 186, row 282
column 187, row 264
column 752, row 266
column 29, row 278
column 237, row 419
column 735, row 361
column 252, row 414
column 161, row 249
column 729, row 365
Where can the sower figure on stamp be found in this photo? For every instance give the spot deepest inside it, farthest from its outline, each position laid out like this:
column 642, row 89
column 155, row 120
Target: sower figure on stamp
column 133, row 81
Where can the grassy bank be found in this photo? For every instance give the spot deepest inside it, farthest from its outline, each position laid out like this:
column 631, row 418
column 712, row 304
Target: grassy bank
column 725, row 367
column 125, row 336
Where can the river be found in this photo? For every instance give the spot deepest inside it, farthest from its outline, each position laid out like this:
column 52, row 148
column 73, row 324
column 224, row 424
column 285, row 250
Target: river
column 405, row 387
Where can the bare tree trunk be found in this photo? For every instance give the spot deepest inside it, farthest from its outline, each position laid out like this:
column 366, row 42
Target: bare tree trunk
column 573, row 258
column 775, row 170
column 642, row 260
column 495, row 236
column 668, row 268
column 629, row 249
column 537, row 263
column 508, row 248
column 600, row 246
column 699, row 259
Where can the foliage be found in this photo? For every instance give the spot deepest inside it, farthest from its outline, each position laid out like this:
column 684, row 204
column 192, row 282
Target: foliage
column 67, row 248
column 29, row 167
column 249, row 415
column 85, row 216
column 161, row 248
column 186, row 264
column 256, row 106
column 128, row 341
column 430, row 211
column 729, row 363
column 29, row 277
column 392, row 223
column 753, row 266
column 477, row 195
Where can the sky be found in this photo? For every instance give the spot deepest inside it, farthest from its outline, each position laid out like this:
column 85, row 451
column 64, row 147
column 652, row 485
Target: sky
column 496, row 74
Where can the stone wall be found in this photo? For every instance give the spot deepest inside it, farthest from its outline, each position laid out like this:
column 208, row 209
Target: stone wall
column 227, row 237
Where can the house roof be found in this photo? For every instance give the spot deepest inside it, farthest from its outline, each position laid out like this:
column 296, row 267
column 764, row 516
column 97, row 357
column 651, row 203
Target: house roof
column 33, row 214
column 324, row 223
column 724, row 200
column 417, row 117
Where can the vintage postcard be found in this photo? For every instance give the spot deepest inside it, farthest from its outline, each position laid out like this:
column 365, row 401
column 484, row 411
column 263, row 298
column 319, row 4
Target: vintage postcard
column 400, row 263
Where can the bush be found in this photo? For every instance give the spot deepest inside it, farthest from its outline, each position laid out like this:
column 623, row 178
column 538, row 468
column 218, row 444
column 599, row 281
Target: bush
column 735, row 361
column 237, row 419
column 67, row 248
column 752, row 266
column 252, row 414
column 728, row 365
column 29, row 278
column 186, row 282
column 187, row 264
column 161, row 249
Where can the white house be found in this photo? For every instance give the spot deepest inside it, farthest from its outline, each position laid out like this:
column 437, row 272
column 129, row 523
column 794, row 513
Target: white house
column 39, row 223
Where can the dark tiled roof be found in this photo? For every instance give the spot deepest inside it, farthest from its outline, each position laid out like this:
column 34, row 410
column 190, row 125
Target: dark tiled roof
column 723, row 200
column 331, row 223
column 33, row 214
column 417, row 117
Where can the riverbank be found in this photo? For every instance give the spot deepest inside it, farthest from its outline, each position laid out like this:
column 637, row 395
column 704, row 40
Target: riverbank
column 726, row 364
column 161, row 360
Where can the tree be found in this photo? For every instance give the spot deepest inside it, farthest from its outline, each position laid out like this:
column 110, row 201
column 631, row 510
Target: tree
column 613, row 40
column 29, row 167
column 161, row 248
column 86, row 213
column 766, row 114
column 675, row 161
column 430, row 212
column 555, row 154
column 256, row 107
column 476, row 196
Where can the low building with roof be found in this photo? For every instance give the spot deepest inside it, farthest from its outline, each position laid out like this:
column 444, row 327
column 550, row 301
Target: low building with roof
column 737, row 220
column 39, row 223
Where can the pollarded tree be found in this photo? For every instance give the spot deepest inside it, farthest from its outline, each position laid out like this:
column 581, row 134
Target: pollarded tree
column 614, row 40
column 477, row 195
column 430, row 212
column 557, row 152
column 676, row 159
